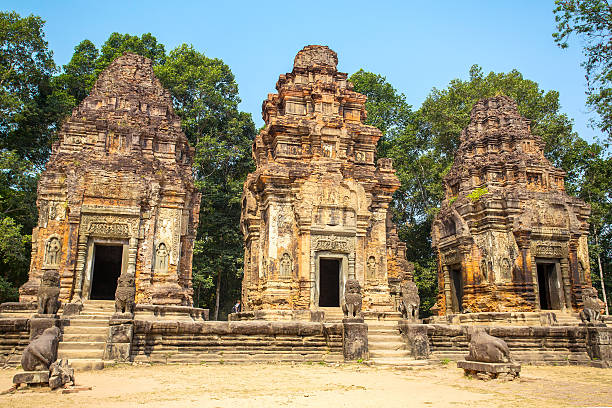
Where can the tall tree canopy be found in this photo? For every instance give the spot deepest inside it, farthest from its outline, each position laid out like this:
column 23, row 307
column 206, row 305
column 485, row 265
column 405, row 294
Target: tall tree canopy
column 591, row 21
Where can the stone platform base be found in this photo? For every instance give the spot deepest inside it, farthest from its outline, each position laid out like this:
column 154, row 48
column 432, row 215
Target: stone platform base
column 486, row 371
column 35, row 378
column 556, row 318
column 278, row 315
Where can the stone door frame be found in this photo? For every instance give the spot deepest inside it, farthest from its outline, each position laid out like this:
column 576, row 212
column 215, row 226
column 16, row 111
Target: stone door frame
column 91, row 258
column 343, row 259
column 560, row 289
column 105, row 224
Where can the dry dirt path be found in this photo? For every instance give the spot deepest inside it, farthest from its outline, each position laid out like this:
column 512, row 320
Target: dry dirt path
column 315, row 385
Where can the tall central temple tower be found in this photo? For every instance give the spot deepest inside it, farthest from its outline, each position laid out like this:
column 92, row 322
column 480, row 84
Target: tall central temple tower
column 315, row 211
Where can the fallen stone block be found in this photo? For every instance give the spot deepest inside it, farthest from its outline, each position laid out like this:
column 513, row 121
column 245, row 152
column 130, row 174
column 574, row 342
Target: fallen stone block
column 486, row 371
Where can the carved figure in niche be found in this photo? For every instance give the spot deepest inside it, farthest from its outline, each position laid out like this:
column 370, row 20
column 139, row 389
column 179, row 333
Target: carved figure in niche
column 161, row 258
column 327, row 150
column 48, row 292
column 124, row 294
column 42, row 351
column 410, row 301
column 371, row 267
column 351, row 307
column 52, row 251
column 581, row 270
column 486, row 348
column 506, row 271
column 286, row 266
column 592, row 305
column 60, row 373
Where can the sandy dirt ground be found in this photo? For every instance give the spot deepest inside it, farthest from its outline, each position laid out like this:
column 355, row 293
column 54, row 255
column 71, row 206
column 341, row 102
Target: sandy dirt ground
column 317, row 385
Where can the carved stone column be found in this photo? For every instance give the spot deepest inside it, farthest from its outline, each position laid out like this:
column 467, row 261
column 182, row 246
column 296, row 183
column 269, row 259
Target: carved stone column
column 80, row 268
column 567, row 287
column 447, row 290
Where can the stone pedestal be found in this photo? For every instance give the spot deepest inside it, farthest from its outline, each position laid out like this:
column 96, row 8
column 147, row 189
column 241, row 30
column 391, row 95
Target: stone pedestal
column 119, row 343
column 40, row 322
column 39, row 378
column 415, row 337
column 599, row 345
column 486, row 371
column 354, row 339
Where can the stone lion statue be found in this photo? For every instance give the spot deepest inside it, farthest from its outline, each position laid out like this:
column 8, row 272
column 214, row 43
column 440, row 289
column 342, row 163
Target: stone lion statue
column 410, row 301
column 124, row 295
column 352, row 298
column 48, row 292
column 592, row 306
column 42, row 351
column 486, row 348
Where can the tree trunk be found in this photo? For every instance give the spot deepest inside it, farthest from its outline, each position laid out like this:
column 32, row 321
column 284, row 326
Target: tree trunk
column 217, row 296
column 601, row 276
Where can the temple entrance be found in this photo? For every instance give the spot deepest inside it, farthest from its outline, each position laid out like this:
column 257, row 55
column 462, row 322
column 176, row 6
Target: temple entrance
column 548, row 286
column 329, row 282
column 106, row 271
column 456, row 282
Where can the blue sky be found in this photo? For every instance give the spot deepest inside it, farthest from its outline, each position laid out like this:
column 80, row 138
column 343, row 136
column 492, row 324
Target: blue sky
column 417, row 45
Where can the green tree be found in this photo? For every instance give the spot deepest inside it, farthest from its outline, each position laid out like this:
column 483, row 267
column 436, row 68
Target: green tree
column 205, row 95
column 591, row 20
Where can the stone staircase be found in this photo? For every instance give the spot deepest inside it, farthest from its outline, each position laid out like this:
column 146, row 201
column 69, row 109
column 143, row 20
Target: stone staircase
column 84, row 339
column 567, row 319
column 333, row 314
column 386, row 345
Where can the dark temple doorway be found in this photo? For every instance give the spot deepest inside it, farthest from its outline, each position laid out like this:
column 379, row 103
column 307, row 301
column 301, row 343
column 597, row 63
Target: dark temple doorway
column 106, row 271
column 457, row 289
column 329, row 283
column 547, row 286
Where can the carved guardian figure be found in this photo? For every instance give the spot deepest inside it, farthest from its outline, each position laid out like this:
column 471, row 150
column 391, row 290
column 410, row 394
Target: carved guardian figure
column 124, row 295
column 42, row 351
column 351, row 307
column 48, row 292
column 410, row 301
column 487, row 349
column 591, row 312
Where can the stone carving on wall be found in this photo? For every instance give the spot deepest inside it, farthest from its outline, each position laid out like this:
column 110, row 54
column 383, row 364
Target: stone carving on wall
column 169, row 231
column 286, row 266
column 450, row 257
column 161, row 258
column 53, row 249
column 332, row 243
column 371, row 267
column 548, row 250
column 506, row 269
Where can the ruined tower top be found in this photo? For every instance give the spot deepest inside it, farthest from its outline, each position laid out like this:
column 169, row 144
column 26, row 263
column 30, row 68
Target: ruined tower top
column 312, row 57
column 498, row 149
column 131, row 105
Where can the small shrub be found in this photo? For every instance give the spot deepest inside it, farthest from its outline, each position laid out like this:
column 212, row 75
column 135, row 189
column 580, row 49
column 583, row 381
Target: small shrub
column 476, row 194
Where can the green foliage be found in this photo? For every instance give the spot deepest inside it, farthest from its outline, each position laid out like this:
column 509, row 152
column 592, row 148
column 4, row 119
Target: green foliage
column 477, row 193
column 205, row 95
column 591, row 21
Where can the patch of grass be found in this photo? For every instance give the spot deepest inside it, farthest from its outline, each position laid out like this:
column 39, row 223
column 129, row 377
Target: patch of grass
column 445, row 361
column 322, row 363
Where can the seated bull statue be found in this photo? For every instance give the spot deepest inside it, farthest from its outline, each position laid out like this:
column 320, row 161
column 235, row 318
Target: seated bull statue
column 410, row 301
column 48, row 292
column 124, row 295
column 352, row 298
column 486, row 348
column 592, row 305
column 42, row 351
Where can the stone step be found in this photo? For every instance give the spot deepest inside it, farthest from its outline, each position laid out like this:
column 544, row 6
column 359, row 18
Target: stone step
column 84, row 337
column 383, row 332
column 386, row 345
column 373, row 337
column 80, row 353
column 389, row 353
column 400, row 362
column 81, row 329
column 101, row 316
column 89, row 322
column 82, row 345
column 89, row 364
column 378, row 326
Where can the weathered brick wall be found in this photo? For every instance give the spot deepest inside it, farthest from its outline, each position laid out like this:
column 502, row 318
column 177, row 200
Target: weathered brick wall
column 187, row 342
column 528, row 344
column 14, row 337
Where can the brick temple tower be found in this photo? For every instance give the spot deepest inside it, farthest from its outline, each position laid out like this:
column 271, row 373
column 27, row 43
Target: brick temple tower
column 117, row 195
column 508, row 237
column 315, row 211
